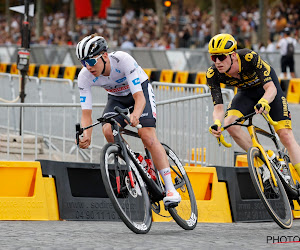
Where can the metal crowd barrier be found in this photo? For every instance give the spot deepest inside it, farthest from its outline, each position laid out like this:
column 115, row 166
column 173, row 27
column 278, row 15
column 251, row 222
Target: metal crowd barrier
column 182, row 124
column 53, row 111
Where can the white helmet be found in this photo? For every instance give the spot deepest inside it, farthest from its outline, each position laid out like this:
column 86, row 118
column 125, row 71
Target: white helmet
column 90, row 46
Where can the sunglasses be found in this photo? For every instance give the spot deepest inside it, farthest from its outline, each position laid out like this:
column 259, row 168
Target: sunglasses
column 221, row 57
column 91, row 62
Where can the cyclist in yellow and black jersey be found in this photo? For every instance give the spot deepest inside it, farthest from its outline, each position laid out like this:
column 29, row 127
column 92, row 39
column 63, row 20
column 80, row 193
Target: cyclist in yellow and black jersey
column 257, row 83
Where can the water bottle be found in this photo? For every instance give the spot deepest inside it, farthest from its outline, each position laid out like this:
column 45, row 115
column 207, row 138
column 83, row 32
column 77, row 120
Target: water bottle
column 272, row 158
column 142, row 160
column 284, row 170
column 151, row 169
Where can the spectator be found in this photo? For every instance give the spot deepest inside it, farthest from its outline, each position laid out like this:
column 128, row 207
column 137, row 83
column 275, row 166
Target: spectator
column 270, row 47
column 287, row 46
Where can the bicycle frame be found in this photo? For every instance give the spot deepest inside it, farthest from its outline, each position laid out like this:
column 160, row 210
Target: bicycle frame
column 158, row 193
column 128, row 154
column 253, row 130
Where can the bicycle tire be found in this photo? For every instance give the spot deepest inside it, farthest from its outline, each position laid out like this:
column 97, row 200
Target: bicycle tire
column 131, row 204
column 274, row 198
column 186, row 213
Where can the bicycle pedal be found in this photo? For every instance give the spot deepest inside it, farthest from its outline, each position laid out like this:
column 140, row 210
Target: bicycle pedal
column 171, row 205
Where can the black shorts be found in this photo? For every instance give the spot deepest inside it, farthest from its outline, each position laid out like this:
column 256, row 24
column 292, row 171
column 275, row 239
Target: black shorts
column 287, row 61
column 244, row 101
column 148, row 117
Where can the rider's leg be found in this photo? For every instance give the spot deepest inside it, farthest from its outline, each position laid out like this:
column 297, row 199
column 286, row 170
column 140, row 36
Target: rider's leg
column 106, row 129
column 160, row 160
column 157, row 151
column 241, row 137
column 288, row 140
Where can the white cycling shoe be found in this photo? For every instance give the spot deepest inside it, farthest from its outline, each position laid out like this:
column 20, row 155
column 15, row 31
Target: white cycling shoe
column 172, row 199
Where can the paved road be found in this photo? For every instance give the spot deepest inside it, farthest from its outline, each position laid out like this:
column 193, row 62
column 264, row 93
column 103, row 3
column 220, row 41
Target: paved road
column 115, row 235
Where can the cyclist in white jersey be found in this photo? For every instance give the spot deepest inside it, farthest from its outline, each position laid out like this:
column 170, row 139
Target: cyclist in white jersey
column 127, row 85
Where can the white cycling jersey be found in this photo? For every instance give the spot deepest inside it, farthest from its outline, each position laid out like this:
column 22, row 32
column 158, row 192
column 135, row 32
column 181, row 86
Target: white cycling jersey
column 126, row 76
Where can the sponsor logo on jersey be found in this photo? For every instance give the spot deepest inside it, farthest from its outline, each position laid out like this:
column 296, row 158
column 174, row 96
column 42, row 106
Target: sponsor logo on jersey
column 121, row 80
column 117, row 59
column 136, row 81
column 80, row 88
column 131, row 71
column 117, row 89
column 82, row 98
column 248, row 57
column 154, row 114
column 95, row 79
column 118, row 71
column 210, row 72
column 144, row 114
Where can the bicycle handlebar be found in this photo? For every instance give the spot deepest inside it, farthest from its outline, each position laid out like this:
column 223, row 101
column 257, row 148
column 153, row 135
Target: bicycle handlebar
column 266, row 116
column 243, row 118
column 123, row 112
column 221, row 139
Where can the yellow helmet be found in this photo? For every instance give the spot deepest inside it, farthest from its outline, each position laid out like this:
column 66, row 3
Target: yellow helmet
column 222, row 44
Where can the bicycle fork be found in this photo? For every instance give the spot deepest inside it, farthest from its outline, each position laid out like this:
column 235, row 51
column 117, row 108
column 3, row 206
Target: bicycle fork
column 255, row 143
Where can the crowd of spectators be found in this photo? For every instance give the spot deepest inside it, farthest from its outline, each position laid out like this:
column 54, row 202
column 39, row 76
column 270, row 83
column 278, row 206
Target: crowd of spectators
column 139, row 28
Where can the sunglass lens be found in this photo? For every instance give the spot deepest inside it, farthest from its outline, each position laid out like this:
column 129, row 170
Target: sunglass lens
column 220, row 57
column 91, row 62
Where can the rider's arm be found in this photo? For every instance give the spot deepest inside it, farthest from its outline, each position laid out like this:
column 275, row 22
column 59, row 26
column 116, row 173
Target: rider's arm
column 270, row 91
column 267, row 98
column 218, row 113
column 86, row 120
column 139, row 105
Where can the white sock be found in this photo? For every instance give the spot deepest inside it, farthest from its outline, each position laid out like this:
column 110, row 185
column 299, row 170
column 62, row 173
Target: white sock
column 166, row 175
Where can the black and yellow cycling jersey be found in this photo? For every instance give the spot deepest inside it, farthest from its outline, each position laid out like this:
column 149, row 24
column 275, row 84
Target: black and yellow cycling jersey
column 254, row 74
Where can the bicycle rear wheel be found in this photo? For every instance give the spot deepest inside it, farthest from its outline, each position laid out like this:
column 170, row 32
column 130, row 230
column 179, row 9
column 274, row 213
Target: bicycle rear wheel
column 273, row 197
column 131, row 203
column 186, row 213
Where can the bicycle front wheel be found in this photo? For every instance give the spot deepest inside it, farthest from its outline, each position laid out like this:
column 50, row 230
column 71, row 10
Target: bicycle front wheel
column 131, row 202
column 186, row 213
column 273, row 197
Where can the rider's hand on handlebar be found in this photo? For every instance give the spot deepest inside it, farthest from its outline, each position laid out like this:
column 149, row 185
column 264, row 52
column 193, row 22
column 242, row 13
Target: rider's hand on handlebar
column 134, row 120
column 262, row 106
column 84, row 141
column 215, row 129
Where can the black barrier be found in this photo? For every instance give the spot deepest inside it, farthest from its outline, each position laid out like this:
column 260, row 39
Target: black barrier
column 245, row 204
column 155, row 75
column 80, row 191
column 192, row 78
column 284, row 83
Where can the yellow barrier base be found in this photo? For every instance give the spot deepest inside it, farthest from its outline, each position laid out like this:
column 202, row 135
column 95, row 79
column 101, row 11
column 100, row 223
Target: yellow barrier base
column 241, row 161
column 25, row 194
column 211, row 195
column 296, row 211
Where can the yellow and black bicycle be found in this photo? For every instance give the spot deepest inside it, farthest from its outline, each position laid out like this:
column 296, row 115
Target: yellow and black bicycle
column 270, row 174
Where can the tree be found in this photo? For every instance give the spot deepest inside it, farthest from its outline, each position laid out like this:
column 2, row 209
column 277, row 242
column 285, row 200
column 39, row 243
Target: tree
column 263, row 33
column 39, row 15
column 160, row 15
column 216, row 10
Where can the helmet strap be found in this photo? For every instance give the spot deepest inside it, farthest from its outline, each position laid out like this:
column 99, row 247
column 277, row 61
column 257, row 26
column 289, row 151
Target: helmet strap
column 230, row 64
column 104, row 67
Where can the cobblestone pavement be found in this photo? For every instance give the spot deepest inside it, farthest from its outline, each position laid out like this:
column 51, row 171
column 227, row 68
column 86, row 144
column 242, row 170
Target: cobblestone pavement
column 115, row 235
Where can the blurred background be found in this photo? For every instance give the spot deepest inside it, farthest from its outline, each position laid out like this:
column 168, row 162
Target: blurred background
column 152, row 23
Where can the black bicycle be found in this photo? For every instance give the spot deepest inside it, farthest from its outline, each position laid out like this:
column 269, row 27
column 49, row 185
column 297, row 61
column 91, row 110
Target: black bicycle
column 135, row 191
column 270, row 174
